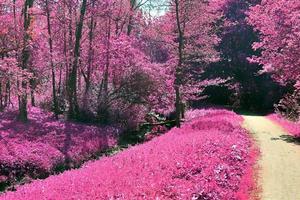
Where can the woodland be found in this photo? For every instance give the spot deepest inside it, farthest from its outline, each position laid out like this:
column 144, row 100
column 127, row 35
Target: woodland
column 146, row 99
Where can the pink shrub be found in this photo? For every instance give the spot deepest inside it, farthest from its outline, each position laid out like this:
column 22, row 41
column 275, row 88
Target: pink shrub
column 197, row 161
column 196, row 113
column 291, row 127
column 36, row 148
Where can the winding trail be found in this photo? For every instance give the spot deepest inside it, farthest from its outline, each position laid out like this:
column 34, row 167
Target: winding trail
column 279, row 164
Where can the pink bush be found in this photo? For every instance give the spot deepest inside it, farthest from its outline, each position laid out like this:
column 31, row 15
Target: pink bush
column 291, row 127
column 39, row 146
column 211, row 118
column 197, row 161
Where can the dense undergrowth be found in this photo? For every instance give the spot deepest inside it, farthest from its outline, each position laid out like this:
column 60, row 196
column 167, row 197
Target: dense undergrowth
column 45, row 146
column 210, row 157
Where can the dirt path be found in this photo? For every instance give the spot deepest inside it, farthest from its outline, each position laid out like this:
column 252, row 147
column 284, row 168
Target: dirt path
column 279, row 174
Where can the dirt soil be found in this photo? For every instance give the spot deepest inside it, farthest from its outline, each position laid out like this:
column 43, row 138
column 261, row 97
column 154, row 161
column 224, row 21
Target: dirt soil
column 279, row 164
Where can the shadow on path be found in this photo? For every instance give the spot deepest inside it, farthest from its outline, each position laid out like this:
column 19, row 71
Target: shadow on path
column 288, row 139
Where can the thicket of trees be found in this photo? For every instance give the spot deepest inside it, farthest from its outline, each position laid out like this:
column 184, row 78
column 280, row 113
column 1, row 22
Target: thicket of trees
column 278, row 25
column 99, row 59
column 249, row 90
column 110, row 60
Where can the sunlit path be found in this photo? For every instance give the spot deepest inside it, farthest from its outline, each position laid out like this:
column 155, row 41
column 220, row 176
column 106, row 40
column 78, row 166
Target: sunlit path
column 279, row 174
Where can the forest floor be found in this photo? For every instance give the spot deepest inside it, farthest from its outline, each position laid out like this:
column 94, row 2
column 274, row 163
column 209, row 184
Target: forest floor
column 279, row 165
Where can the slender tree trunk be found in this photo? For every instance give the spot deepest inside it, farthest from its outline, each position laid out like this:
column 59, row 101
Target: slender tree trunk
column 178, row 70
column 32, row 98
column 9, row 93
column 60, row 80
column 32, row 87
column 79, row 77
column 72, row 87
column 54, row 96
column 91, row 53
column 69, row 47
column 6, row 101
column 90, row 59
column 104, row 113
column 25, row 60
column 63, row 85
column 15, row 37
column 130, row 21
column 1, row 97
column 182, row 110
column 106, row 74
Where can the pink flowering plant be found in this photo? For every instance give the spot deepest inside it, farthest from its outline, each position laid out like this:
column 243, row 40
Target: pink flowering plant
column 41, row 146
column 210, row 157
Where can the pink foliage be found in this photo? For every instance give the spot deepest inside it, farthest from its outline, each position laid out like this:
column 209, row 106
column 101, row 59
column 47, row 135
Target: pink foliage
column 291, row 127
column 196, row 113
column 278, row 23
column 197, row 19
column 43, row 143
column 208, row 158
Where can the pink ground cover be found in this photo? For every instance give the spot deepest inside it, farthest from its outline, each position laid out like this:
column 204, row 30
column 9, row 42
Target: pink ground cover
column 36, row 148
column 291, row 127
column 211, row 158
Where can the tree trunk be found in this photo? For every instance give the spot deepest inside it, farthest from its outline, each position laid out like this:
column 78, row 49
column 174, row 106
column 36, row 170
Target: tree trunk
column 59, row 90
column 32, row 88
column 25, row 61
column 54, row 96
column 32, row 97
column 87, row 78
column 130, row 21
column 91, row 52
column 182, row 110
column 72, row 81
column 1, row 97
column 65, row 49
column 68, row 46
column 7, row 94
column 103, row 107
column 178, row 70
